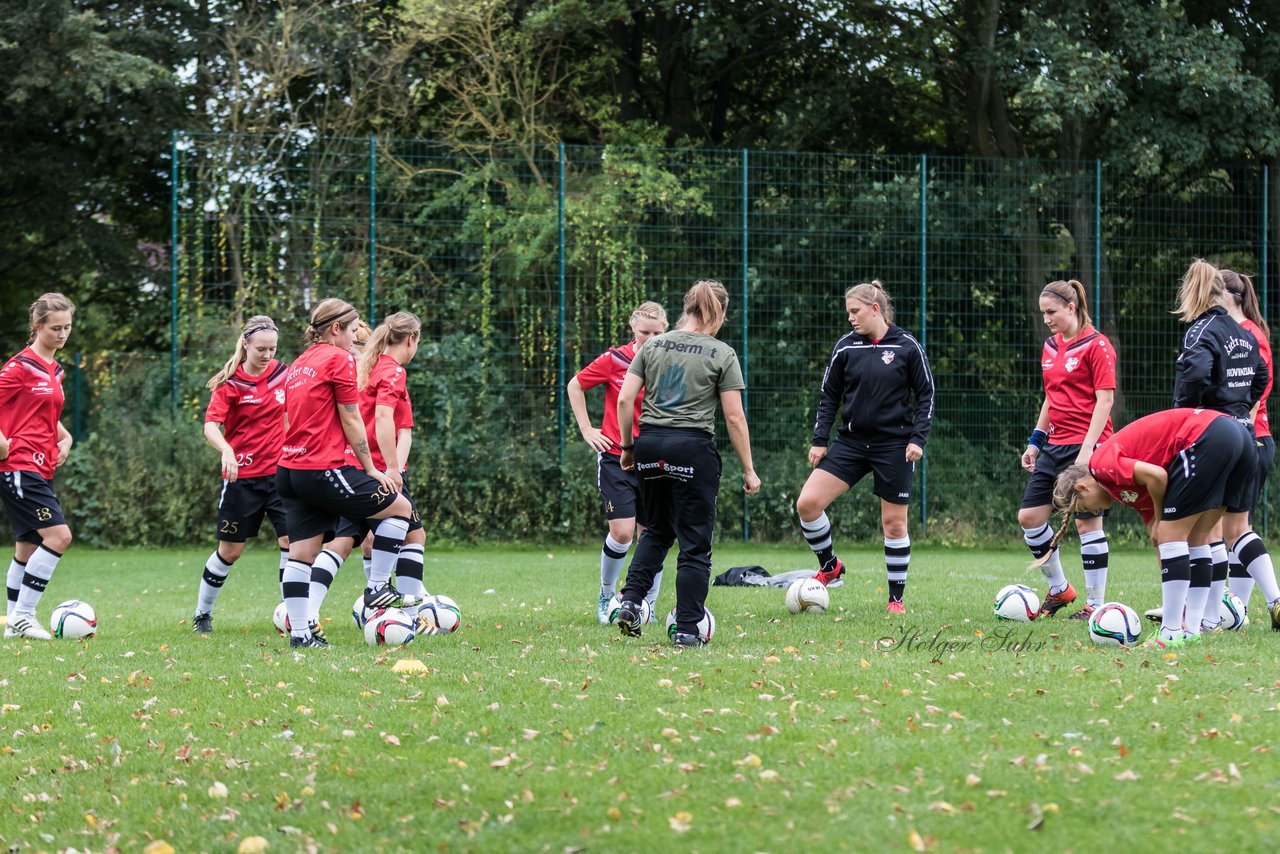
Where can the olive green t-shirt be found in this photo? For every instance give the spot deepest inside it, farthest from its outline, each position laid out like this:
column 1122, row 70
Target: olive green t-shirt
column 684, row 373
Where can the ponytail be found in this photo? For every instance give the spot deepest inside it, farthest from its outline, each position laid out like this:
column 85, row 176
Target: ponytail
column 1240, row 286
column 707, row 301
column 396, row 329
column 1201, row 289
column 252, row 326
column 1070, row 293
column 326, row 313
column 873, row 293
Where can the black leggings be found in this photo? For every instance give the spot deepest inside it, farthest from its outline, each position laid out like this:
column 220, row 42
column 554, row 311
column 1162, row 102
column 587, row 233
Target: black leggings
column 679, row 471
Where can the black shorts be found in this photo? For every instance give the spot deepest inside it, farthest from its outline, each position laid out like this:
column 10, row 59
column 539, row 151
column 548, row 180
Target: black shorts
column 242, row 504
column 893, row 472
column 619, row 490
column 1217, row 470
column 358, row 529
column 315, row 501
column 1266, row 447
column 1049, row 464
column 31, row 505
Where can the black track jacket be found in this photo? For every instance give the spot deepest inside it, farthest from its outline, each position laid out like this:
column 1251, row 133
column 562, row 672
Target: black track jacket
column 1220, row 367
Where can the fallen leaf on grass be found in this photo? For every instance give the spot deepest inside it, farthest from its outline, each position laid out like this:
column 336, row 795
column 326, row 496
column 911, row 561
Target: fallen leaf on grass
column 1129, row 774
column 252, row 845
column 408, row 665
column 681, row 822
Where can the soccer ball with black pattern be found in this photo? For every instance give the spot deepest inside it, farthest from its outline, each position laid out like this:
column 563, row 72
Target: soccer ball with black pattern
column 706, row 626
column 389, row 627
column 74, row 620
column 807, row 596
column 281, row 620
column 1017, row 602
column 1114, row 624
column 439, row 615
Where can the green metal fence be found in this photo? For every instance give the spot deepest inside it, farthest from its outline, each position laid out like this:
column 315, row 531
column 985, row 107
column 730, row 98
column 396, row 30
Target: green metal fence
column 525, row 262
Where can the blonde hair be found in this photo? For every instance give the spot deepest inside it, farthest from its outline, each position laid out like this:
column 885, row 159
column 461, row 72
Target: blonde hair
column 1070, row 293
column 326, row 313
column 650, row 311
column 1066, row 500
column 252, row 326
column 396, row 329
column 1201, row 289
column 45, row 305
column 708, row 301
column 363, row 333
column 873, row 293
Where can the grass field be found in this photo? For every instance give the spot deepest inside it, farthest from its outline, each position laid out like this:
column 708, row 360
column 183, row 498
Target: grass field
column 534, row 728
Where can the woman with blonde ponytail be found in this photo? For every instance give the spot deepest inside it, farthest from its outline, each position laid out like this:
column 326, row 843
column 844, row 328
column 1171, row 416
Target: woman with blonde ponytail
column 244, row 422
column 1180, row 469
column 619, row 490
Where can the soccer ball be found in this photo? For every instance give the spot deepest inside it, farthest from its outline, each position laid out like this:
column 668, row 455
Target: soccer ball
column 73, row 619
column 706, row 626
column 389, row 627
column 1017, row 602
column 1232, row 612
column 807, row 595
column 1114, row 624
column 615, row 602
column 439, row 615
column 281, row 619
column 359, row 613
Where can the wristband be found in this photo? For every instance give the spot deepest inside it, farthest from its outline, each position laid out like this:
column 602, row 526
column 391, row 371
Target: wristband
column 1037, row 439
column 626, row 447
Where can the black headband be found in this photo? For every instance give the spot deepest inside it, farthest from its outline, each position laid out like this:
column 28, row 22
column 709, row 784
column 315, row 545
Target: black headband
column 1068, row 300
column 321, row 324
column 255, row 330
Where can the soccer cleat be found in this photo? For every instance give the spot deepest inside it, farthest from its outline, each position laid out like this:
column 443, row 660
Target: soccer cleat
column 1055, row 602
column 896, row 608
column 308, row 642
column 653, row 613
column 1274, row 610
column 629, row 619
column 25, row 626
column 684, row 639
column 316, row 630
column 387, row 596
column 1155, row 615
column 1190, row 639
column 202, row 624
column 602, row 609
column 826, row 576
column 1083, row 614
column 1158, row 643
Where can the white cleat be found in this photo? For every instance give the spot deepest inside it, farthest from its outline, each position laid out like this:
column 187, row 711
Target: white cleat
column 1155, row 615
column 25, row 626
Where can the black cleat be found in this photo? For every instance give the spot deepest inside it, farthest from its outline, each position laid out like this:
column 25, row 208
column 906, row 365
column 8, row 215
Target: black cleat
column 684, row 639
column 387, row 596
column 202, row 624
column 308, row 641
column 629, row 619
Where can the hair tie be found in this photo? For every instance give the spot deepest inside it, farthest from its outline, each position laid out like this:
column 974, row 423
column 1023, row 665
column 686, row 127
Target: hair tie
column 255, row 330
column 321, row 324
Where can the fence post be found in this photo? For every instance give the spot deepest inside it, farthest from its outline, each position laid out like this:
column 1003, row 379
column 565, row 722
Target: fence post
column 924, row 323
column 1097, row 242
column 173, row 272
column 746, row 353
column 77, row 402
column 560, row 367
column 373, row 230
column 1266, row 227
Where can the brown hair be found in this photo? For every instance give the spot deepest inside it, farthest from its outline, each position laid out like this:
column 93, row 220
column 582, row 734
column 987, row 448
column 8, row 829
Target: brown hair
column 1065, row 501
column 45, row 305
column 326, row 313
column 873, row 293
column 1070, row 292
column 708, row 301
column 1240, row 286
column 1201, row 289
column 395, row 329
column 252, row 326
column 650, row 311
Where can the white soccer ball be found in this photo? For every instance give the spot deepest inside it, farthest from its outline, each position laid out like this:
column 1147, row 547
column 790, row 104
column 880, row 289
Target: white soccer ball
column 439, row 615
column 1017, row 602
column 359, row 613
column 615, row 602
column 808, row 596
column 706, row 626
column 1232, row 612
column 281, row 619
column 389, row 627
column 1114, row 624
column 73, row 619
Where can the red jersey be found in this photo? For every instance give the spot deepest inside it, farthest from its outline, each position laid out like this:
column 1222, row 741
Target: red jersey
column 387, row 386
column 30, row 406
column 610, row 369
column 251, row 412
column 1074, row 371
column 1262, row 424
column 321, row 379
column 1157, row 439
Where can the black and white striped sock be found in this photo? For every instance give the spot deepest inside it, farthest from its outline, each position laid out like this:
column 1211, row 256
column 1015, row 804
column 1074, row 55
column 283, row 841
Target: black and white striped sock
column 387, row 538
column 818, row 534
column 215, row 575
column 897, row 557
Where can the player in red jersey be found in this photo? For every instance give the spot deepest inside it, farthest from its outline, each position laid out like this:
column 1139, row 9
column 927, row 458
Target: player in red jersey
column 316, row 484
column 1241, row 302
column 619, row 490
column 1078, row 365
column 1180, row 469
column 33, row 443
column 388, row 418
column 245, row 424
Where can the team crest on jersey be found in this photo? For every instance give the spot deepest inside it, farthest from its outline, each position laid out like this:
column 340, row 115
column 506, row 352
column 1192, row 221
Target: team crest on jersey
column 1072, row 364
column 1128, row 496
column 886, row 356
column 280, row 395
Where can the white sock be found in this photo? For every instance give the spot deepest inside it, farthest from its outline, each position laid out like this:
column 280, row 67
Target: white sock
column 612, row 556
column 652, row 595
column 1095, row 553
column 284, row 558
column 1240, row 582
column 294, row 589
column 323, row 572
column 215, row 575
column 13, row 581
column 387, row 539
column 1252, row 554
column 1037, row 539
column 409, row 571
column 40, row 567
column 368, row 568
column 1173, row 594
